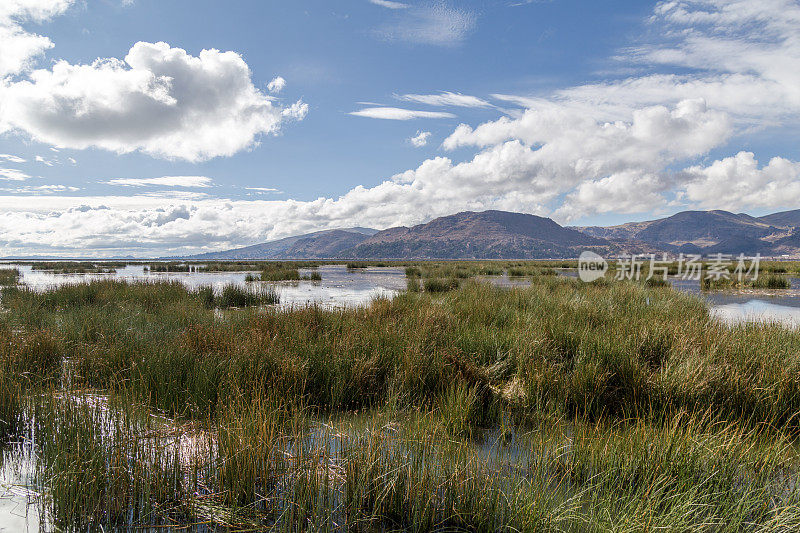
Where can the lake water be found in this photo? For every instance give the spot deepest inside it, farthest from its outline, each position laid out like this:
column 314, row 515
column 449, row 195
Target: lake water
column 738, row 307
column 18, row 509
column 340, row 286
column 343, row 287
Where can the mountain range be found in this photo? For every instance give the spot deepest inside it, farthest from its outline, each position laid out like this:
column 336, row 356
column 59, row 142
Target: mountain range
column 712, row 232
column 507, row 235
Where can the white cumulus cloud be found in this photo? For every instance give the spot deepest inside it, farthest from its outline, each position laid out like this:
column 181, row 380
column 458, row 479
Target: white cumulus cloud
column 276, row 85
column 420, row 139
column 159, row 100
column 737, row 182
column 20, row 47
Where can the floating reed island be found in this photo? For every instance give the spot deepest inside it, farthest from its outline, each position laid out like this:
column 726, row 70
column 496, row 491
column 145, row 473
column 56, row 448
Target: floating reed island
column 457, row 406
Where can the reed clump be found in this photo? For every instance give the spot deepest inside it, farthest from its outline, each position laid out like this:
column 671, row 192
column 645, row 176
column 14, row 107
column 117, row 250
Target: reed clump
column 9, row 276
column 281, row 274
column 771, row 281
column 440, row 284
column 313, row 276
column 104, row 468
column 656, row 281
column 764, row 281
column 236, row 296
column 11, row 398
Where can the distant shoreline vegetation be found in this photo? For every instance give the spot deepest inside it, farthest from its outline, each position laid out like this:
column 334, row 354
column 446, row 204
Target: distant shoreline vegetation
column 773, row 275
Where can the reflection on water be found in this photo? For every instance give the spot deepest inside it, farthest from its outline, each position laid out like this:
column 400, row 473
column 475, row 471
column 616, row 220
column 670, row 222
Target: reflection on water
column 757, row 311
column 739, row 307
column 18, row 509
column 339, row 287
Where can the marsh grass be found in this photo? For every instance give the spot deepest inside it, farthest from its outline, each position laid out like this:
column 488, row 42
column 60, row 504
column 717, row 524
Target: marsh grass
column 281, row 274
column 656, row 281
column 717, row 284
column 779, row 267
column 413, row 272
column 263, row 465
column 9, row 276
column 561, row 406
column 103, row 470
column 771, row 281
column 764, row 281
column 440, row 284
column 11, row 398
column 472, row 269
column 600, row 348
column 235, row 296
column 314, row 275
column 78, row 267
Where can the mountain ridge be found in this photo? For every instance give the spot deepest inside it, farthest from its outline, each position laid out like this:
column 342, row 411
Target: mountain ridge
column 495, row 234
column 488, row 234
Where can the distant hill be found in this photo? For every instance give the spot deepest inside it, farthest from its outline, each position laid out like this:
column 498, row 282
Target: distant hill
column 783, row 219
column 701, row 229
column 327, row 244
column 709, row 232
column 482, row 235
column 739, row 244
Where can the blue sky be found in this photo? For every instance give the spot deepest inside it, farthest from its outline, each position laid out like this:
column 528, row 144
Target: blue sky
column 588, row 112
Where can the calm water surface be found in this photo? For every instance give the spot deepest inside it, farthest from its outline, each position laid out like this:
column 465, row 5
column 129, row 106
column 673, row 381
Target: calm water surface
column 339, row 287
column 738, row 307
